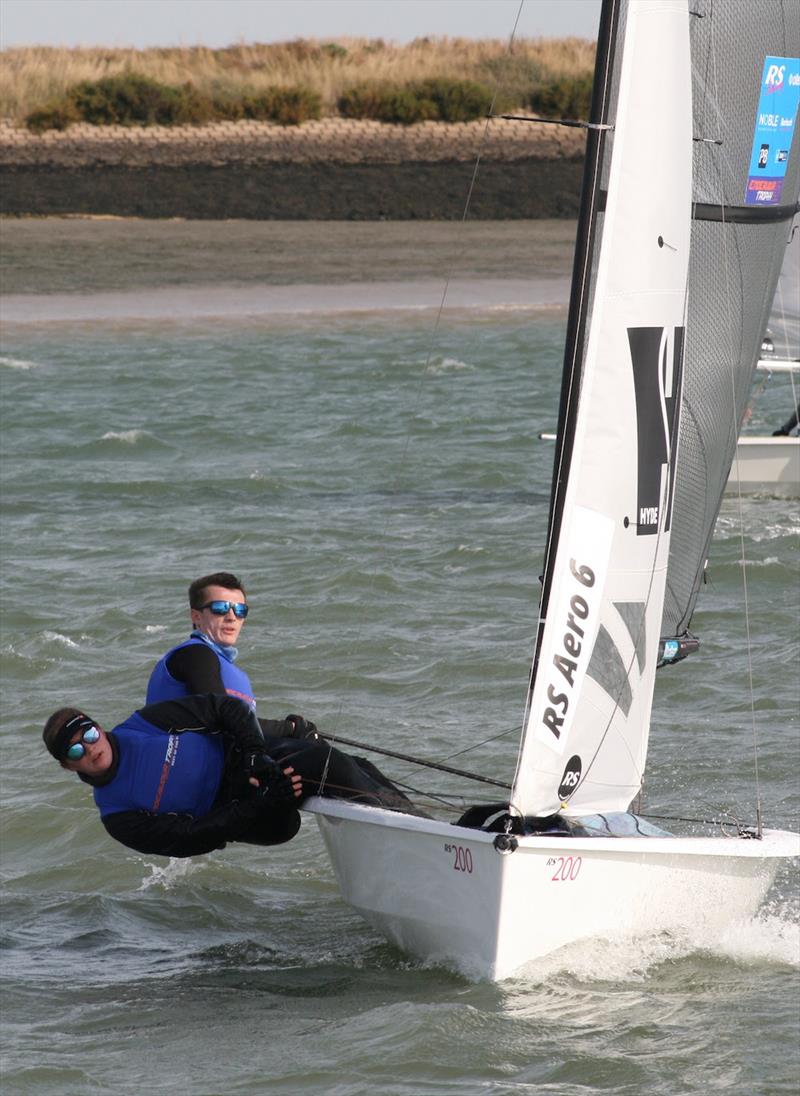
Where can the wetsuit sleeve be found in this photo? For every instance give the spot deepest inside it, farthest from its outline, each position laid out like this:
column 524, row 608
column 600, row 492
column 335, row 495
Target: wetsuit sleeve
column 197, row 667
column 212, row 713
column 171, row 715
column 183, row 835
column 276, row 728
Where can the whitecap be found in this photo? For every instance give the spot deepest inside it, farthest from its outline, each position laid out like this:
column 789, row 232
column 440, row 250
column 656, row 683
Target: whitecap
column 155, row 629
column 57, row 637
column 447, row 365
column 169, row 875
column 16, row 363
column 129, row 437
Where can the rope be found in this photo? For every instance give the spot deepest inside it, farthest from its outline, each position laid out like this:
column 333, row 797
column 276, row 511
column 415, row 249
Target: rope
column 424, row 763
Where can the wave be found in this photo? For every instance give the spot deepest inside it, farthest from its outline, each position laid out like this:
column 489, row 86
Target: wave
column 447, row 365
column 120, row 440
column 169, row 875
column 770, row 937
column 770, row 561
column 16, row 363
column 57, row 637
column 129, row 437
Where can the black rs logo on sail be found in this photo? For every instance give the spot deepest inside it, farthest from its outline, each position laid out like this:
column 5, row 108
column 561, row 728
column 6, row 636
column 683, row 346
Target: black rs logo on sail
column 571, row 778
column 657, row 362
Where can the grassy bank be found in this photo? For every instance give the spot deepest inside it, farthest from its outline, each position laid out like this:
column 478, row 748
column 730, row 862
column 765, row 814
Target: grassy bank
column 39, row 78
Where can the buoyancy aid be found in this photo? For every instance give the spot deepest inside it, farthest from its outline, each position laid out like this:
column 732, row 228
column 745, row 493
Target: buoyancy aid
column 161, row 771
column 163, row 686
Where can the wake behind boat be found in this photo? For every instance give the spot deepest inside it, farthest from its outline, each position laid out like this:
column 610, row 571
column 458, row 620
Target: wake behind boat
column 691, row 180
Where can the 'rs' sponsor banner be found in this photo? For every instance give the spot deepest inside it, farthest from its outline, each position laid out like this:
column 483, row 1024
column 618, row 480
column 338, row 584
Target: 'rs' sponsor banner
column 776, row 118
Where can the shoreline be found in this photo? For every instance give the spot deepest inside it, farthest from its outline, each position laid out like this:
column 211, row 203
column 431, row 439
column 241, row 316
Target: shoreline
column 332, row 170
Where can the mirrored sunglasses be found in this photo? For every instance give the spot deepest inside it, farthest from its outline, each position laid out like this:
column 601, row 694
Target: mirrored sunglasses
column 220, row 608
column 77, row 749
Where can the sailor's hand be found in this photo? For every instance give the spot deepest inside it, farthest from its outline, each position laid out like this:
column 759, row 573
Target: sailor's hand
column 297, row 727
column 276, row 785
column 258, row 765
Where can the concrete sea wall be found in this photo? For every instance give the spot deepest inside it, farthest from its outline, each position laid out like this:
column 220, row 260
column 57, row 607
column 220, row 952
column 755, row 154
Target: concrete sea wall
column 330, row 170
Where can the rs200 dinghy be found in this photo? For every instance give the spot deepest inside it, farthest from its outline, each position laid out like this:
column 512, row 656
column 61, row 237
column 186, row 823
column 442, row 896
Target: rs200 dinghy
column 691, row 181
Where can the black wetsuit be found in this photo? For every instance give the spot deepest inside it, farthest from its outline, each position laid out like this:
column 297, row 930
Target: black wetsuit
column 197, row 667
column 239, row 812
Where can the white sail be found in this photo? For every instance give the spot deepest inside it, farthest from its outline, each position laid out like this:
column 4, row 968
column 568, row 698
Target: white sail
column 782, row 338
column 586, row 732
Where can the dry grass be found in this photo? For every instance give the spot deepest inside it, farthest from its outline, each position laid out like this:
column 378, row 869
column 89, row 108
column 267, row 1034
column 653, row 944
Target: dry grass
column 33, row 76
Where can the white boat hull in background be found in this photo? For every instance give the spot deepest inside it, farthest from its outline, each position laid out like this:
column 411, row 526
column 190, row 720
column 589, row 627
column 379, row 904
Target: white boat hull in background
column 445, row 894
column 766, row 466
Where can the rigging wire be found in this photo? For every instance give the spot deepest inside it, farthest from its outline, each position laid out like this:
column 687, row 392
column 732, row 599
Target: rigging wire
column 572, row 394
column 734, row 425
column 422, row 764
column 418, row 395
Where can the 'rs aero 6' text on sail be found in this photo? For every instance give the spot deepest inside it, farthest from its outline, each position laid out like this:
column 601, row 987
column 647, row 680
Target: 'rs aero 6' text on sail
column 572, row 641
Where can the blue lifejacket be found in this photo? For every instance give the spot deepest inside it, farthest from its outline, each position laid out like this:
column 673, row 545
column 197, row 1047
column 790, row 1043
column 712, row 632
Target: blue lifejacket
column 162, row 772
column 163, row 686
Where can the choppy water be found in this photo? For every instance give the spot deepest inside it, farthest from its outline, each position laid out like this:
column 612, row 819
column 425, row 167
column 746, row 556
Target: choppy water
column 179, row 398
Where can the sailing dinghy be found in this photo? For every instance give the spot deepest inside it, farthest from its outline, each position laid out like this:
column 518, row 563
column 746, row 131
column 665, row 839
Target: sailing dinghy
column 680, row 243
column 770, row 465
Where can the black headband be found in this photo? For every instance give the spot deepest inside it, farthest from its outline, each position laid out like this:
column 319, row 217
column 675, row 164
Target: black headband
column 61, row 739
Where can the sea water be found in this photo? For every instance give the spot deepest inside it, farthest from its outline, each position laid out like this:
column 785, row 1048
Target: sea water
column 346, row 416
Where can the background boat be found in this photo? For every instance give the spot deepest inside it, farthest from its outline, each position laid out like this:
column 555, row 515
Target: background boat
column 766, row 464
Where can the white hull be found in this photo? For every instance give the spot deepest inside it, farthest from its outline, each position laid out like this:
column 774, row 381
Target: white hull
column 766, row 466
column 445, row 894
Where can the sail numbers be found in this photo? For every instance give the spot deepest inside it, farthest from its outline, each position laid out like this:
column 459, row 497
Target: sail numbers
column 572, row 644
column 566, row 868
column 462, row 857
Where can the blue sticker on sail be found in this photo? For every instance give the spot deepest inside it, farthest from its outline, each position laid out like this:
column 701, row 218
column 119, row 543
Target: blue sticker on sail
column 775, row 122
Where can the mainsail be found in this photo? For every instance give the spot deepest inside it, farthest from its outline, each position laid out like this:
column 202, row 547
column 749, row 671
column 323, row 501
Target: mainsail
column 681, row 241
column 741, row 53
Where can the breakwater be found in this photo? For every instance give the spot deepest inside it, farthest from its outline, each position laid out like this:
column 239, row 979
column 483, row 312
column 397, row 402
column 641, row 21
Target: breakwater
column 335, row 169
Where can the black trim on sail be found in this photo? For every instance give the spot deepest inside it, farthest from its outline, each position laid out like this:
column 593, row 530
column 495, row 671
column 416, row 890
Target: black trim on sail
column 739, row 215
column 578, row 305
column 742, row 215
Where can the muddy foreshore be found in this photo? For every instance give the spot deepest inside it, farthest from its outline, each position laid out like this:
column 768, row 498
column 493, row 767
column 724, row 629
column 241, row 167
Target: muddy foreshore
column 331, row 170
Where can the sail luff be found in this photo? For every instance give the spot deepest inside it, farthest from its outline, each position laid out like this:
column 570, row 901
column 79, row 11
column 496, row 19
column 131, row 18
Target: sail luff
column 580, row 295
column 586, row 730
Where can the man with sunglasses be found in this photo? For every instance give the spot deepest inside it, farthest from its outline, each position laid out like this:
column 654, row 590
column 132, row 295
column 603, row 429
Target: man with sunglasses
column 186, row 776
column 206, row 661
